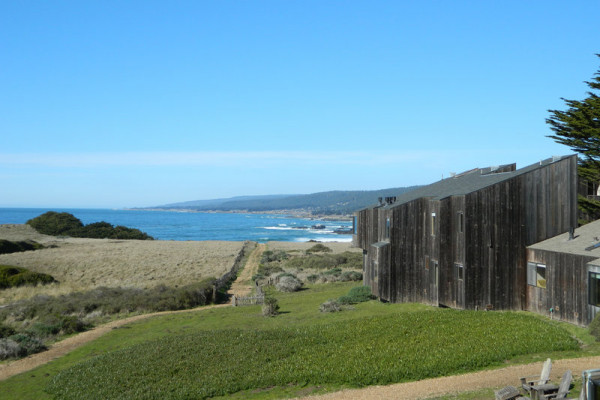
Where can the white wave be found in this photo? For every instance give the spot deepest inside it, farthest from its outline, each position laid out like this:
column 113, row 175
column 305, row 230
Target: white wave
column 320, row 239
column 277, row 228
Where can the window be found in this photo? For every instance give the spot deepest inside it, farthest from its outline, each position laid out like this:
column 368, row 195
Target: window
column 461, row 222
column 432, row 224
column 459, row 271
column 536, row 274
column 594, row 289
column 387, row 228
column 355, row 225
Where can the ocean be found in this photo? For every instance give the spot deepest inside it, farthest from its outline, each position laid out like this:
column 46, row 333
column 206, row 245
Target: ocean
column 170, row 225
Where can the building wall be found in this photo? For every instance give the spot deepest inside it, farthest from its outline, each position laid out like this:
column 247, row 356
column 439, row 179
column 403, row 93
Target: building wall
column 566, row 286
column 417, row 261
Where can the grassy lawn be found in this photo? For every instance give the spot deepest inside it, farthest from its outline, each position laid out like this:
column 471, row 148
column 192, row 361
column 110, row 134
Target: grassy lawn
column 302, row 351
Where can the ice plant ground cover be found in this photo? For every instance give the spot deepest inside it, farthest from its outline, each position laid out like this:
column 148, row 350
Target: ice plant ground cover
column 238, row 351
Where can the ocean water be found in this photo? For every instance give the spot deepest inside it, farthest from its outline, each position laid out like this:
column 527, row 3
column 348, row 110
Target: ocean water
column 168, row 225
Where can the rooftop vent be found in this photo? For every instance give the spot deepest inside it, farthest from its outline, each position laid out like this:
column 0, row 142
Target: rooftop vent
column 592, row 247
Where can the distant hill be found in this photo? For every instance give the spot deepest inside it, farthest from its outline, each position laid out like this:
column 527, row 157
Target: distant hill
column 339, row 202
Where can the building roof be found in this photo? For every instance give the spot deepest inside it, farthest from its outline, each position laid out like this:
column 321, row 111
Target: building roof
column 585, row 239
column 470, row 181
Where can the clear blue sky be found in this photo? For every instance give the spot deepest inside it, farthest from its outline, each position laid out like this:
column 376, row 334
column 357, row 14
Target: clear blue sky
column 141, row 103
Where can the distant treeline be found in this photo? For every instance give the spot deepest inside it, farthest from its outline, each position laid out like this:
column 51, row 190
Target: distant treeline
column 325, row 203
column 65, row 224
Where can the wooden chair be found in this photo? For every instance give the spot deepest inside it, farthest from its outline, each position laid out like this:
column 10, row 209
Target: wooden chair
column 549, row 391
column 527, row 382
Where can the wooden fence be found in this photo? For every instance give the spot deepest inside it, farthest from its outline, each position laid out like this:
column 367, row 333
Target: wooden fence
column 248, row 300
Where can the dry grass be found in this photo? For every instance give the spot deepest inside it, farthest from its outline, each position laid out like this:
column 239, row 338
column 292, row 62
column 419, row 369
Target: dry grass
column 81, row 264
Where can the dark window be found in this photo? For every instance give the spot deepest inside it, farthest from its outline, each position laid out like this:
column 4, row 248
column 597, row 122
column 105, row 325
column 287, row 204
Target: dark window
column 594, row 289
column 461, row 222
column 387, row 228
column 432, row 224
column 536, row 274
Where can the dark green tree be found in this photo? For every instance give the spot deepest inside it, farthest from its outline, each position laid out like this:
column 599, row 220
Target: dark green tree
column 579, row 128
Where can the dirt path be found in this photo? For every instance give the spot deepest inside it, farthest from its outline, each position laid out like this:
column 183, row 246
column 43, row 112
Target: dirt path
column 463, row 383
column 243, row 285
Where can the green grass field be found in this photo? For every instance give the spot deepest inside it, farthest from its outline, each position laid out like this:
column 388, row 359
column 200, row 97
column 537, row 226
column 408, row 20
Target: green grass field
column 236, row 352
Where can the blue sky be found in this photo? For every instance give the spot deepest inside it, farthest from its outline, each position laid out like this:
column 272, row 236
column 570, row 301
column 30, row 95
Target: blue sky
column 141, row 103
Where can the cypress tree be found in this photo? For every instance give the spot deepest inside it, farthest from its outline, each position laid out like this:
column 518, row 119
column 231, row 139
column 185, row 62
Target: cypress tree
column 579, row 128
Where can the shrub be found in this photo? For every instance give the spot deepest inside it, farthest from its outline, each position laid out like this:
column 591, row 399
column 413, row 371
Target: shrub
column 319, row 248
column 53, row 223
column 269, row 269
column 357, row 294
column 312, row 278
column 11, row 276
column 594, row 327
column 270, row 307
column 9, row 349
column 273, row 256
column 6, row 331
column 6, row 246
column 333, row 271
column 351, row 276
column 288, row 283
column 20, row 345
column 330, row 306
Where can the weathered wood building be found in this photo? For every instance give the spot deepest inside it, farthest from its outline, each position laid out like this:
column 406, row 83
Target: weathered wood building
column 563, row 275
column 462, row 242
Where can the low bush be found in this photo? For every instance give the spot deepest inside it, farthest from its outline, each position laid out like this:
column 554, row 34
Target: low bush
column 319, row 248
column 58, row 324
column 65, row 224
column 11, row 276
column 104, row 301
column 288, row 283
column 273, row 256
column 312, row 278
column 6, row 331
column 330, row 306
column 356, row 295
column 348, row 276
column 594, row 327
column 269, row 269
column 7, row 246
column 270, row 307
column 20, row 345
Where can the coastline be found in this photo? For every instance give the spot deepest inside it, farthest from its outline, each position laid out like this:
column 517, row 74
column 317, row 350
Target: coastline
column 304, row 214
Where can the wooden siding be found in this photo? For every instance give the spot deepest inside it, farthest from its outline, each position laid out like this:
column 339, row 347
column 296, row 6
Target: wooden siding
column 566, row 286
column 499, row 221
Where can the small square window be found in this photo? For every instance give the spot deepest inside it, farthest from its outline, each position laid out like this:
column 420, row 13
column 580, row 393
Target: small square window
column 460, row 271
column 536, row 274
